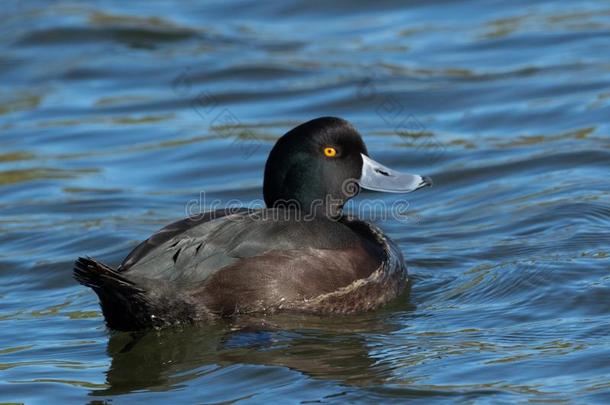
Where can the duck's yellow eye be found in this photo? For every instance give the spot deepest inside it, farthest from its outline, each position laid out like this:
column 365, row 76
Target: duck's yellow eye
column 330, row 152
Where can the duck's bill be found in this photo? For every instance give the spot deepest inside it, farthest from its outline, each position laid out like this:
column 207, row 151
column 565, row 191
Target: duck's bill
column 377, row 177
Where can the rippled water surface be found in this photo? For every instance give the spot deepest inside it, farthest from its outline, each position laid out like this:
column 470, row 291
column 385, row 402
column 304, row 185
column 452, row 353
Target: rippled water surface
column 114, row 115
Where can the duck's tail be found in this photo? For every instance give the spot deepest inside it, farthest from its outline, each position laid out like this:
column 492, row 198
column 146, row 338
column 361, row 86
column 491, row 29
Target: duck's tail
column 125, row 306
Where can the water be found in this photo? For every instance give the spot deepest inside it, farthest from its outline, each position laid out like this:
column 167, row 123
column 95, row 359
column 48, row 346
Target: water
column 115, row 116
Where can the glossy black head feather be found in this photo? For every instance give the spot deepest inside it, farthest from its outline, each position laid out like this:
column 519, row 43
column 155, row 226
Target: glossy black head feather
column 298, row 173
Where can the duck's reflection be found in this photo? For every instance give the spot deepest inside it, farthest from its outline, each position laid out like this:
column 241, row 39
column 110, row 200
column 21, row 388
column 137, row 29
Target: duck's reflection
column 327, row 348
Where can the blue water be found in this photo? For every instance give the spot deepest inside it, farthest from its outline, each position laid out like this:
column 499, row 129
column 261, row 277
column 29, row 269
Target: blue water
column 116, row 117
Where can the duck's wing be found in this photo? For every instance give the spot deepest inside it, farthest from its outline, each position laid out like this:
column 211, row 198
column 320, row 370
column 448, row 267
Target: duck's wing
column 190, row 252
column 170, row 232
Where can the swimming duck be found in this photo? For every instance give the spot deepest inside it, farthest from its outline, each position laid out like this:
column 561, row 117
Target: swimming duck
column 301, row 253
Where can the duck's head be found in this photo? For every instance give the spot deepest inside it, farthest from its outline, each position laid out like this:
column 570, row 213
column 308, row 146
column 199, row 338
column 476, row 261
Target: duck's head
column 322, row 163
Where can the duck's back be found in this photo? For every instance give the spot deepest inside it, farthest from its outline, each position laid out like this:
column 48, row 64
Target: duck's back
column 193, row 250
column 252, row 261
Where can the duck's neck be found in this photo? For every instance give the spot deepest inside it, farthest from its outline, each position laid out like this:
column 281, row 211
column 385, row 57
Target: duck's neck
column 314, row 208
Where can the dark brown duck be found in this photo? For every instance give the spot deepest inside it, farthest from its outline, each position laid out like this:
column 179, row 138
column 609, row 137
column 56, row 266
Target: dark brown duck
column 301, row 253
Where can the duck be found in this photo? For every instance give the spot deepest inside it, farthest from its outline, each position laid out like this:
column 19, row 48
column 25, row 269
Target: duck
column 301, row 253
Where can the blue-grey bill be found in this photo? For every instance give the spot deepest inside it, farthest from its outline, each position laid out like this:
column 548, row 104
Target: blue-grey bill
column 377, row 177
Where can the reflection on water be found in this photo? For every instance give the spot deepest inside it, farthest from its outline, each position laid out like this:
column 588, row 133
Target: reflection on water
column 163, row 359
column 114, row 116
